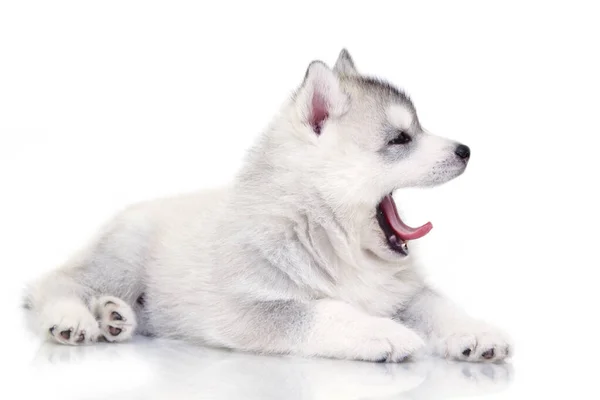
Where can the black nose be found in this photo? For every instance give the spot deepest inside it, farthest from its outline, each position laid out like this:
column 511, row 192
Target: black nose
column 462, row 151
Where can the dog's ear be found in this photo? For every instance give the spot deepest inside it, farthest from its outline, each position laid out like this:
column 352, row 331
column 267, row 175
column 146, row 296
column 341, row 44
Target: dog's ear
column 320, row 97
column 344, row 66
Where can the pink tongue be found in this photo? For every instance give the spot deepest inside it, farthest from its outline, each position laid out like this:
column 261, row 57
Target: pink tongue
column 402, row 230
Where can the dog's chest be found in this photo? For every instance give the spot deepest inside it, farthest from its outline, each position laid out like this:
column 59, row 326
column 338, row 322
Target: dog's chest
column 376, row 292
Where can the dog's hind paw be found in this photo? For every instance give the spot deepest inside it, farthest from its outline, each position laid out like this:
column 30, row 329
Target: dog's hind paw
column 70, row 322
column 116, row 318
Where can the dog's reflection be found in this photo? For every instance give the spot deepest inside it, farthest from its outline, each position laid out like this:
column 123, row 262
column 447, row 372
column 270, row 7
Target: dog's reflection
column 179, row 371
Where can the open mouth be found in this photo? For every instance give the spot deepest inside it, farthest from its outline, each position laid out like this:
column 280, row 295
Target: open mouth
column 396, row 232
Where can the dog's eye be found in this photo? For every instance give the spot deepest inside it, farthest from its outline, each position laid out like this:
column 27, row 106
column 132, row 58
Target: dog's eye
column 402, row 138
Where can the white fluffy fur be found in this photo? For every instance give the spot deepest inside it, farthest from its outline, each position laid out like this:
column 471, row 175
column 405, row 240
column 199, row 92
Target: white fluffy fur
column 399, row 116
column 287, row 259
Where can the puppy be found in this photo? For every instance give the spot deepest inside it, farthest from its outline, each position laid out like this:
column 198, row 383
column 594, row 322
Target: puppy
column 304, row 253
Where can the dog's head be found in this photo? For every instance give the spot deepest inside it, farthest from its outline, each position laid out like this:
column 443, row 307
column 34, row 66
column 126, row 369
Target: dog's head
column 356, row 140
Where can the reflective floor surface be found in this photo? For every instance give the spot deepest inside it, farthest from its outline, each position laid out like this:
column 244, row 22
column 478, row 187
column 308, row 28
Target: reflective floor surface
column 159, row 369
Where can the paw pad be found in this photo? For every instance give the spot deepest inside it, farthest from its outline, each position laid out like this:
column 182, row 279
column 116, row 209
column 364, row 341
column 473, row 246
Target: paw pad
column 66, row 334
column 117, row 319
column 81, row 337
column 488, row 354
column 114, row 331
column 115, row 316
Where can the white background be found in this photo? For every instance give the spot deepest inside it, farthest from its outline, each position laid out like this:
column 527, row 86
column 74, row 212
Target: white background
column 107, row 103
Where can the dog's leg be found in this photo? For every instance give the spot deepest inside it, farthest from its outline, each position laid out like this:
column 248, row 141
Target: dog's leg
column 451, row 332
column 69, row 306
column 322, row 328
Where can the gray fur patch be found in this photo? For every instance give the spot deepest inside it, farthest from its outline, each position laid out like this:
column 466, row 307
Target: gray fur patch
column 385, row 90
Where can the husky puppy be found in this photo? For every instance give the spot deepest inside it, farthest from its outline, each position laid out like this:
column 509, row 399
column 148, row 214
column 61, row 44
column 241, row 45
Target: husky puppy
column 304, row 253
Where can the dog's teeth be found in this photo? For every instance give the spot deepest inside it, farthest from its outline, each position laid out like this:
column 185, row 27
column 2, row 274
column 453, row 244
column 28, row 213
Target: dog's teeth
column 405, row 247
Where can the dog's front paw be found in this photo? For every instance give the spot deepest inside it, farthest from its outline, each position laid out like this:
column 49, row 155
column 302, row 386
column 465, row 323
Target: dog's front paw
column 70, row 322
column 116, row 318
column 388, row 341
column 477, row 342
